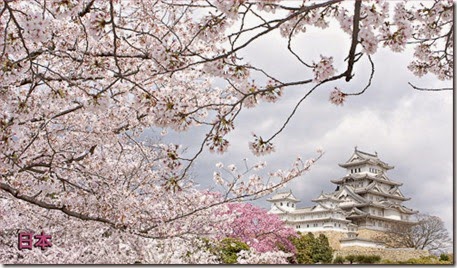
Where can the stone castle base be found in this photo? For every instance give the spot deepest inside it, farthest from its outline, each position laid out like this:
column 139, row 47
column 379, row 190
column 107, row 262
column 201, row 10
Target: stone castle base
column 370, row 234
column 333, row 237
column 393, row 254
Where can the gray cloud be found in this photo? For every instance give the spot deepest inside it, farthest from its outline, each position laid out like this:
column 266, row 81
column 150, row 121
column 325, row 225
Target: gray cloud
column 409, row 129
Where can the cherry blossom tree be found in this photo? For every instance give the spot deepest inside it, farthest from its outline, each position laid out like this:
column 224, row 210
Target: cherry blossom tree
column 262, row 231
column 81, row 80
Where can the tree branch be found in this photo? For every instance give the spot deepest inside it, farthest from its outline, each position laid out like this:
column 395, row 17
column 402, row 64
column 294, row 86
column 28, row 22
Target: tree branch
column 355, row 36
column 30, row 199
column 430, row 89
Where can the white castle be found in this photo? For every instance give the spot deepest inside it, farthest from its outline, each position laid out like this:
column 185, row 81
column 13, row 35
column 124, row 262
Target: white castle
column 365, row 198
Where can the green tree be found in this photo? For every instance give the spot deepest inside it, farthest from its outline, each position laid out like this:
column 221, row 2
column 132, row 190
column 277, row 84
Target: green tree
column 367, row 259
column 338, row 260
column 444, row 257
column 311, row 249
column 303, row 244
column 350, row 258
column 426, row 260
column 322, row 252
column 228, row 248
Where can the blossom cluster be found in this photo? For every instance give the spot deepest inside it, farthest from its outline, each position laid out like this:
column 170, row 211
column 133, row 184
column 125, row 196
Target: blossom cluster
column 337, row 97
column 260, row 147
column 261, row 231
column 323, row 69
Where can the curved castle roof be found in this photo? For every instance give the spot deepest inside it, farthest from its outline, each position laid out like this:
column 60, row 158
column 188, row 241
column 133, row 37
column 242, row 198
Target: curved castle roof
column 284, row 196
column 360, row 158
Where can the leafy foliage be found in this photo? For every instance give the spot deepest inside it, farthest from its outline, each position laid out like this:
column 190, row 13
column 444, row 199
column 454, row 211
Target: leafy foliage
column 363, row 259
column 444, row 257
column 351, row 258
column 367, row 259
column 338, row 260
column 426, row 260
column 228, row 249
column 310, row 249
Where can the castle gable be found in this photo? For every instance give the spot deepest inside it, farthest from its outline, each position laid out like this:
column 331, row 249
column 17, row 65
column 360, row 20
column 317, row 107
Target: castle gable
column 398, row 193
column 356, row 212
column 320, row 207
column 348, row 195
column 284, row 196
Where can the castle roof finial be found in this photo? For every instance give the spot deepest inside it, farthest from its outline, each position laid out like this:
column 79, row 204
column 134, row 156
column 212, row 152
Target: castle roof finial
column 355, row 149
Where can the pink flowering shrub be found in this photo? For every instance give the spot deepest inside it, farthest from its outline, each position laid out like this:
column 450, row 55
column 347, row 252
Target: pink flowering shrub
column 262, row 231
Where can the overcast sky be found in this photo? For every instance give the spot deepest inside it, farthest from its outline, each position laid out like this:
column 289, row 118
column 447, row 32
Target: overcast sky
column 409, row 129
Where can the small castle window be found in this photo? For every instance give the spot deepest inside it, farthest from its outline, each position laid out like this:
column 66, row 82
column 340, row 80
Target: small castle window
column 292, row 205
column 287, row 203
column 281, row 204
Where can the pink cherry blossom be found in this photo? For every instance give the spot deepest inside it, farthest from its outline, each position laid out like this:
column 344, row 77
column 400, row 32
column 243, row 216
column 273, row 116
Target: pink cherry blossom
column 262, row 231
column 337, row 97
column 260, row 147
column 323, row 69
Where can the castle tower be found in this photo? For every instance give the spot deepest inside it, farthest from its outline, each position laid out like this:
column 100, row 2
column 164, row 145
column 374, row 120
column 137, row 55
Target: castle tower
column 365, row 198
column 285, row 201
column 371, row 198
